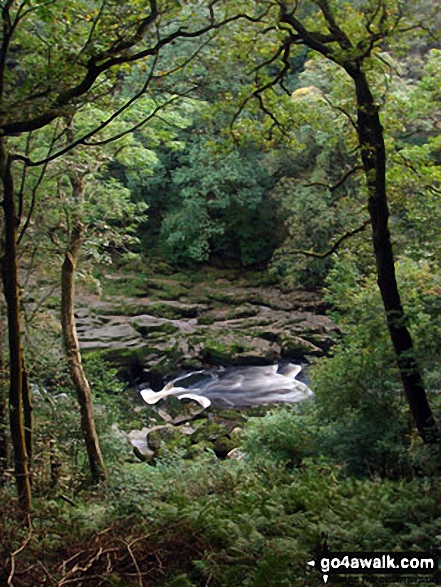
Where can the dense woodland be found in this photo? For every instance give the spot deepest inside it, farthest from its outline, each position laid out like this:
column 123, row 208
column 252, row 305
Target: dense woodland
column 286, row 144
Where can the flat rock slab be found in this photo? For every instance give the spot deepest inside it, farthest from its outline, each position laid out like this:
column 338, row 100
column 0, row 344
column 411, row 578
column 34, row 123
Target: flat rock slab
column 219, row 323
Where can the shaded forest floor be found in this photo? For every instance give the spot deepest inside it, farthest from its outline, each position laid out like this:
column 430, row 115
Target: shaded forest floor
column 211, row 522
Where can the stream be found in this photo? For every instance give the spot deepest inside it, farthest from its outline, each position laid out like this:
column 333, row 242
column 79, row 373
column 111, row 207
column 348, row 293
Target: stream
column 230, row 387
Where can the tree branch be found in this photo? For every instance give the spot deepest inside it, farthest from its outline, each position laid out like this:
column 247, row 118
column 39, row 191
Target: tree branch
column 94, row 25
column 370, row 19
column 116, row 55
column 16, row 552
column 340, row 109
column 33, row 202
column 339, row 35
column 334, row 247
column 339, row 183
column 284, row 50
column 93, row 132
column 131, row 129
column 313, row 40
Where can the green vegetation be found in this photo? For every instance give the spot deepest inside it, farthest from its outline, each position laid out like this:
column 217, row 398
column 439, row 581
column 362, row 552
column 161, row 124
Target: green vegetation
column 255, row 521
column 175, row 160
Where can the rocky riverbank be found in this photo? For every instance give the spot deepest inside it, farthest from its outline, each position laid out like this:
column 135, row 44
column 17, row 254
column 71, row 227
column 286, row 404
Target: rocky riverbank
column 154, row 326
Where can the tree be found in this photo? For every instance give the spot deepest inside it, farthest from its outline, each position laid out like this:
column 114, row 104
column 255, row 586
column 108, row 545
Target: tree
column 85, row 170
column 70, row 337
column 351, row 36
column 352, row 52
column 221, row 209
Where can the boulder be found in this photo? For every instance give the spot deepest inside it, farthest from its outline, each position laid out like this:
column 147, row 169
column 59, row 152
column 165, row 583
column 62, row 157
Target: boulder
column 178, row 411
column 166, row 437
column 138, row 440
column 296, row 347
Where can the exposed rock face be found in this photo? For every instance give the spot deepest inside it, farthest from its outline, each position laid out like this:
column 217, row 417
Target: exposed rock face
column 191, row 325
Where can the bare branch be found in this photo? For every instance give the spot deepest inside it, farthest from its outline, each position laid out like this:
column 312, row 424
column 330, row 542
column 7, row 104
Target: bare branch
column 135, row 563
column 370, row 19
column 33, row 200
column 285, row 50
column 334, row 247
column 406, row 163
column 340, row 109
column 131, row 129
column 182, row 33
column 313, row 40
column 93, row 132
column 265, row 110
column 44, row 297
column 270, row 59
column 16, row 552
column 21, row 13
column 94, row 25
column 186, row 61
column 339, row 183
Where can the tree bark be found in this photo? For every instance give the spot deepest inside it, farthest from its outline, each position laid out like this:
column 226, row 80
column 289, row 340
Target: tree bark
column 71, row 344
column 4, row 440
column 28, row 418
column 12, row 296
column 373, row 154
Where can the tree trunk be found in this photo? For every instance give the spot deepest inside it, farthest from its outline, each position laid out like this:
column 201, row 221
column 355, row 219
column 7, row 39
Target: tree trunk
column 70, row 337
column 28, row 417
column 4, row 441
column 373, row 154
column 11, row 290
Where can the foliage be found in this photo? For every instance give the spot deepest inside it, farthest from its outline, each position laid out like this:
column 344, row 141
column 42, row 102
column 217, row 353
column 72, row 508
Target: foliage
column 224, row 521
column 223, row 208
column 358, row 387
column 232, row 187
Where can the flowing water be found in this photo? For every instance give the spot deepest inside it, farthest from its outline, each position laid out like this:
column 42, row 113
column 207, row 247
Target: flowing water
column 236, row 386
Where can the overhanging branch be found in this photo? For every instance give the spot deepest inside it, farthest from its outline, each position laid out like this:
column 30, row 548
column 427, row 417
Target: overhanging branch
column 118, row 54
column 284, row 50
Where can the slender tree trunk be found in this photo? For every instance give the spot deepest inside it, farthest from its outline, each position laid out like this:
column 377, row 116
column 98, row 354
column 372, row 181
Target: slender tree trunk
column 11, row 290
column 4, row 440
column 373, row 154
column 28, row 417
column 70, row 336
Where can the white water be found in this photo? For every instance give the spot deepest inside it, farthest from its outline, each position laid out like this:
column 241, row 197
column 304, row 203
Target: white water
column 236, row 386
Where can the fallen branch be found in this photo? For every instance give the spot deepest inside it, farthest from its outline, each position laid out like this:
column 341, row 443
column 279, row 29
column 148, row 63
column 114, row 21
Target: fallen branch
column 135, row 563
column 16, row 552
column 67, row 500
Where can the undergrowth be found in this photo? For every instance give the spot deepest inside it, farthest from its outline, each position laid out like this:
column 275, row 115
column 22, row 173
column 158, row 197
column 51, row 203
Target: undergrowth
column 211, row 522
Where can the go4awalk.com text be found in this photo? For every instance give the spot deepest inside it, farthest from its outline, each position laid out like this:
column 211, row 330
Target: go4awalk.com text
column 375, row 563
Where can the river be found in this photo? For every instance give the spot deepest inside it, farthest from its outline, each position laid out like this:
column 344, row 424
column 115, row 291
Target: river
column 235, row 386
